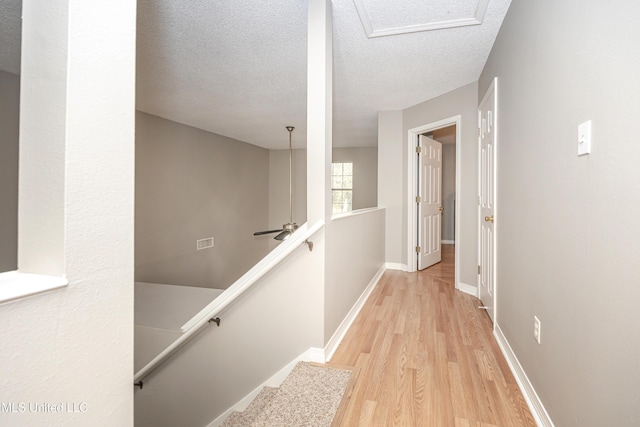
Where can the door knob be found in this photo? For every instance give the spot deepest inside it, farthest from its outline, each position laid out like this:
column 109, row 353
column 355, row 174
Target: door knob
column 440, row 208
column 488, row 218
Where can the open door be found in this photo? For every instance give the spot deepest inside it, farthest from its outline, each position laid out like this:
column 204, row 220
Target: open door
column 487, row 250
column 429, row 202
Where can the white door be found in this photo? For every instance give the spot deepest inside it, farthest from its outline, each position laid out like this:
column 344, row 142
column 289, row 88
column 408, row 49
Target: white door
column 429, row 202
column 487, row 261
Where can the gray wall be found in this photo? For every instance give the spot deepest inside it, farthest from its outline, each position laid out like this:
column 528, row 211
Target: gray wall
column 279, row 188
column 365, row 174
column 393, row 127
column 365, row 182
column 567, row 226
column 9, row 129
column 354, row 254
column 192, row 184
column 448, row 190
column 462, row 101
column 447, row 136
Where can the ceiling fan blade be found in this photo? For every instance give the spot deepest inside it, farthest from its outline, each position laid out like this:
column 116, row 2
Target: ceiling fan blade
column 260, row 233
column 284, row 235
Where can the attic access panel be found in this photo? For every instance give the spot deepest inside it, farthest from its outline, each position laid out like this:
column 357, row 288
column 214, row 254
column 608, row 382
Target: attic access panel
column 384, row 18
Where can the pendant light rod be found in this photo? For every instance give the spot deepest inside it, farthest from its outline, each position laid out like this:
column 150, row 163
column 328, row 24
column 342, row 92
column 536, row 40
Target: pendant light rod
column 290, row 129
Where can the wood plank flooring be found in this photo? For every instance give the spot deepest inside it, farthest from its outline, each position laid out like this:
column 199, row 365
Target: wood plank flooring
column 427, row 357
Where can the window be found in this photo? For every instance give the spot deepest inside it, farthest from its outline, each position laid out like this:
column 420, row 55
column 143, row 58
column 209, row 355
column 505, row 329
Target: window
column 342, row 187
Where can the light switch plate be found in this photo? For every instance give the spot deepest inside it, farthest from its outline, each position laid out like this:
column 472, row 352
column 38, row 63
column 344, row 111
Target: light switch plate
column 584, row 138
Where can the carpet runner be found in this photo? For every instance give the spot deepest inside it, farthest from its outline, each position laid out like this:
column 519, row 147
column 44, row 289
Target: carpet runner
column 309, row 396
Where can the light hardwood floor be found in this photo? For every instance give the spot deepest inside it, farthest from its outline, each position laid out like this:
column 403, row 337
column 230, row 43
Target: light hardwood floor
column 426, row 357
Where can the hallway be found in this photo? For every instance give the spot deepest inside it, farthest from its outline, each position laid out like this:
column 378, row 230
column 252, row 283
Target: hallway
column 427, row 357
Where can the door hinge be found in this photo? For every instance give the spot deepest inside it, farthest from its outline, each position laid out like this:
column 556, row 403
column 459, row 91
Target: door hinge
column 418, row 150
column 479, row 133
column 478, row 269
column 418, row 249
column 418, row 199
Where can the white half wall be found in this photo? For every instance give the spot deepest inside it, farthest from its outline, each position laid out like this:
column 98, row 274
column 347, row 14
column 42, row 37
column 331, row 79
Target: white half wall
column 355, row 253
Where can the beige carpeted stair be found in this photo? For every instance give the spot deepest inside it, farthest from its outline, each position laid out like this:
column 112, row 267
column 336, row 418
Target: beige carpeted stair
column 309, row 396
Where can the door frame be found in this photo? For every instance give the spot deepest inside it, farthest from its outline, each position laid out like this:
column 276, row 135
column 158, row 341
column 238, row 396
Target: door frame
column 493, row 86
column 412, row 190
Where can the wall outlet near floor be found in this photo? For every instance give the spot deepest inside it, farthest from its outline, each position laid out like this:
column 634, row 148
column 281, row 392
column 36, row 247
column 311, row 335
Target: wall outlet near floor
column 536, row 329
column 204, row 243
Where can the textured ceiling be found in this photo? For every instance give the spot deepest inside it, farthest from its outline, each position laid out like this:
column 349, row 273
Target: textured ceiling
column 238, row 68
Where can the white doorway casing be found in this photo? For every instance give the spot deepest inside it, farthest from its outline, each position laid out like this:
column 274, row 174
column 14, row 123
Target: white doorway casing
column 412, row 191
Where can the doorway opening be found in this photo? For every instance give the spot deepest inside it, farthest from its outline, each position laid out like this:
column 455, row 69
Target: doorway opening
column 447, row 131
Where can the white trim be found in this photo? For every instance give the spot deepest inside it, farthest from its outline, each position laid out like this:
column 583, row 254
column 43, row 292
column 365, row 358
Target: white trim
column 314, row 354
column 15, row 285
column 396, row 266
column 355, row 213
column 467, row 289
column 538, row 411
column 476, row 19
column 317, row 355
column 448, row 242
column 274, row 381
column 339, row 334
column 412, row 226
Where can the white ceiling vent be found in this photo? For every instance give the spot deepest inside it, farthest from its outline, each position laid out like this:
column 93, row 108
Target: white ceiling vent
column 385, row 18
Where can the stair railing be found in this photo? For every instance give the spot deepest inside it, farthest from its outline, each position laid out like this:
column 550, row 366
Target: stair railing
column 209, row 314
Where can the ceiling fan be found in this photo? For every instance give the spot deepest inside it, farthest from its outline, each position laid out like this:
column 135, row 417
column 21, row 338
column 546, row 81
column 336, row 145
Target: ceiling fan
column 288, row 228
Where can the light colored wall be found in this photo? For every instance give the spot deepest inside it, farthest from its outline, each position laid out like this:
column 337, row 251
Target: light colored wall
column 355, row 253
column 9, row 126
column 393, row 130
column 365, row 174
column 75, row 345
column 278, row 320
column 390, row 183
column 567, row 226
column 462, row 101
column 279, row 188
column 364, row 190
column 192, row 184
column 448, row 190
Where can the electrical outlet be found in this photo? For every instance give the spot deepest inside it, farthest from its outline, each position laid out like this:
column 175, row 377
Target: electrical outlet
column 536, row 329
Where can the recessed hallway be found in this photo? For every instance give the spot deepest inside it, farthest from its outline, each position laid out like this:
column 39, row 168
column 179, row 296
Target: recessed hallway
column 427, row 357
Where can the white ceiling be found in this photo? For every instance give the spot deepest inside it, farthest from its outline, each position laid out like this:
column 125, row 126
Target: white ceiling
column 238, row 68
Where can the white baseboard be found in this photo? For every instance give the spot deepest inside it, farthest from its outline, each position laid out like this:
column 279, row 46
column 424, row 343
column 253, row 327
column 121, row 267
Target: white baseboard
column 339, row 334
column 311, row 355
column 317, row 355
column 467, row 289
column 448, row 242
column 396, row 266
column 530, row 396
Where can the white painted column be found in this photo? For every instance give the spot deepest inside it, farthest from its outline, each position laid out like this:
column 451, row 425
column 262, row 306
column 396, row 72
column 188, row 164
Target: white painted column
column 74, row 346
column 390, row 179
column 319, row 109
column 43, row 106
